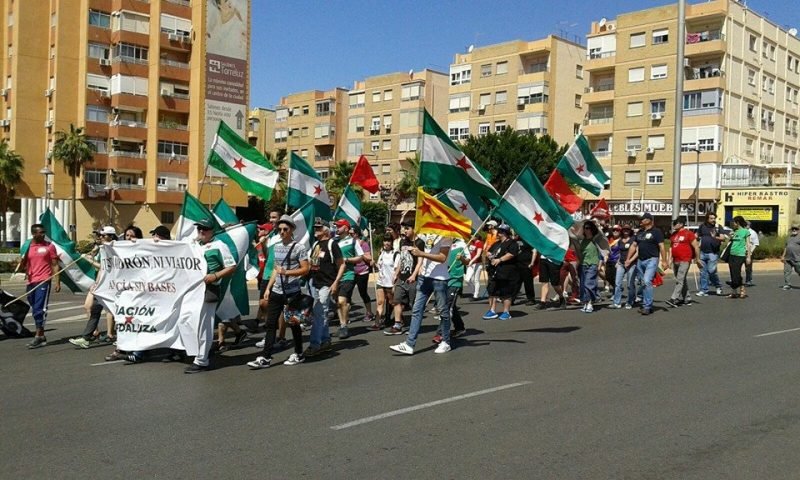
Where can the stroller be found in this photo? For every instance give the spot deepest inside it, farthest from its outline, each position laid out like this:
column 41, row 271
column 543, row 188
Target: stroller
column 13, row 315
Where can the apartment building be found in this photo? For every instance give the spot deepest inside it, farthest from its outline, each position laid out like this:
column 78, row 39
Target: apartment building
column 384, row 118
column 739, row 138
column 134, row 74
column 535, row 86
column 261, row 129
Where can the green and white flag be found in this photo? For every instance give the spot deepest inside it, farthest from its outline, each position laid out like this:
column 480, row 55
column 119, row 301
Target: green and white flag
column 79, row 276
column 350, row 208
column 192, row 211
column 468, row 205
column 535, row 216
column 235, row 301
column 306, row 185
column 303, row 219
column 580, row 167
column 443, row 165
column 226, row 216
column 242, row 162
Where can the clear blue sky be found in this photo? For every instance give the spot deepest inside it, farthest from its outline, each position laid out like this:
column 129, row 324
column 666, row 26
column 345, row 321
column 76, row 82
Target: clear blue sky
column 300, row 45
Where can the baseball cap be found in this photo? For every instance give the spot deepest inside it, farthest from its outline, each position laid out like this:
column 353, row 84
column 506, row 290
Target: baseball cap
column 107, row 230
column 617, row 227
column 492, row 223
column 504, row 228
column 646, row 216
column 319, row 222
column 161, row 231
column 205, row 223
column 342, row 223
column 267, row 227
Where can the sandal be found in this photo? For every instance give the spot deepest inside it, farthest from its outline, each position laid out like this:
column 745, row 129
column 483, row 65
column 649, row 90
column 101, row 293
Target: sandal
column 733, row 295
column 114, row 356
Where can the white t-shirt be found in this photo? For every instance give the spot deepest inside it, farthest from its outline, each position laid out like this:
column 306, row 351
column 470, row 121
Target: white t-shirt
column 386, row 265
column 433, row 245
column 753, row 239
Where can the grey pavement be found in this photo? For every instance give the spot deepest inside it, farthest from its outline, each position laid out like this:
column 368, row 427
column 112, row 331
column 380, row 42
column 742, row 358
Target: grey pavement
column 688, row 393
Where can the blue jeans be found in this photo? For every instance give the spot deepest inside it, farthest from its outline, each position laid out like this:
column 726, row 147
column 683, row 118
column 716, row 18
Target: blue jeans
column 319, row 328
column 588, row 279
column 38, row 297
column 425, row 288
column 709, row 271
column 619, row 282
column 647, row 271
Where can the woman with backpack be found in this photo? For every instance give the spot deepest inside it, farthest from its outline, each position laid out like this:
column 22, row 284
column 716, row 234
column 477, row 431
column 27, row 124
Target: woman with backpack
column 384, row 286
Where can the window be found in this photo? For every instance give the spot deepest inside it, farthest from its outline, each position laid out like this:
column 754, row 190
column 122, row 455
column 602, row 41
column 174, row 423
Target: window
column 99, row 50
column 99, row 19
column 484, row 99
column 386, row 145
column 633, row 143
column 355, row 124
column 633, row 177
column 460, row 74
column 387, row 122
column 375, row 124
column 409, row 144
column 658, row 71
column 281, row 114
column 167, row 216
column 305, row 109
column 751, row 78
column 771, row 85
column 375, row 145
column 386, row 169
column 459, row 103
column 658, row 106
column 691, row 101
column 635, row 109
column 95, row 113
column 388, row 95
column 281, row 135
column 357, row 99
column 637, row 40
column 579, row 71
column 636, row 74
column 129, row 85
column 322, row 131
column 532, row 123
column 533, row 93
column 304, row 153
column 660, row 36
column 458, row 130
column 411, row 92
column 132, row 53
column 655, row 177
column 355, row 149
column 132, row 22
column 576, row 128
column 578, row 100
column 176, row 25
column 486, row 70
column 100, row 144
column 166, row 147
column 499, row 126
column 500, row 97
column 483, row 129
column 655, row 142
column 410, row 118
column 753, row 42
column 705, row 138
column 748, row 146
column 323, row 108
column 376, row 97
column 502, row 68
column 98, row 82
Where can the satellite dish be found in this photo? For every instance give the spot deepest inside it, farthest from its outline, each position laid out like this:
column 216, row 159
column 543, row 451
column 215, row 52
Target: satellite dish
column 602, row 22
column 471, row 48
column 793, row 32
column 411, row 72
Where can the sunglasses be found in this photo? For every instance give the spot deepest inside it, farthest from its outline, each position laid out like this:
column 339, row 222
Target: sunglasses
column 284, row 229
column 203, row 229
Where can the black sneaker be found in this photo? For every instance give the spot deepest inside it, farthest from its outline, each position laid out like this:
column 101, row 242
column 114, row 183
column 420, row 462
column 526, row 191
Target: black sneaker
column 646, row 311
column 172, row 357
column 195, row 368
column 673, row 303
column 540, row 306
column 687, row 303
column 131, row 358
column 240, row 337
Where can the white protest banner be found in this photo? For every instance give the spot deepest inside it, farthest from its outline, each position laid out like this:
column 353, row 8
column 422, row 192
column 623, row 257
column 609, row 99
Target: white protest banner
column 155, row 290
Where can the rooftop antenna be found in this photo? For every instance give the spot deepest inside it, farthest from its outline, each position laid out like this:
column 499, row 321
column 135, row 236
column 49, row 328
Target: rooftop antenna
column 471, row 48
column 793, row 32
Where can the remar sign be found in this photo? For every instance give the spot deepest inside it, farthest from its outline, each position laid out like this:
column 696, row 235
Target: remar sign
column 755, row 195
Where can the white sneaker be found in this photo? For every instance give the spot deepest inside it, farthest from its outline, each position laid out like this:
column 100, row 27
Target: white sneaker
column 588, row 308
column 615, row 305
column 294, row 359
column 260, row 343
column 402, row 348
column 259, row 363
column 443, row 347
column 719, row 291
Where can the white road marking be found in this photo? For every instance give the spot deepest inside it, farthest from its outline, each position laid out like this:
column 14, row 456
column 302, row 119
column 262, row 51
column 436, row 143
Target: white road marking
column 777, row 333
column 73, row 318
column 107, row 363
column 426, row 405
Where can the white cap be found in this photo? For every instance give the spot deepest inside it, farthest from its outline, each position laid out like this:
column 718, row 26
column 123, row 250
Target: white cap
column 107, row 230
column 491, row 223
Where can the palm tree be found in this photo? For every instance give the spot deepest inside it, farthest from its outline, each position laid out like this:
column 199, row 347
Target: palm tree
column 278, row 199
column 407, row 186
column 11, row 167
column 74, row 152
column 339, row 177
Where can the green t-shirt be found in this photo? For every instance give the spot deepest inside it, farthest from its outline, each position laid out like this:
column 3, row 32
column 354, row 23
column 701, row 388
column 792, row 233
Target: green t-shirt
column 456, row 267
column 739, row 242
column 218, row 256
column 589, row 253
column 350, row 248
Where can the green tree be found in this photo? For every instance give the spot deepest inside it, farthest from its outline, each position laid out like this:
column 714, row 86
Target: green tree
column 11, row 167
column 278, row 199
column 406, row 188
column 338, row 178
column 506, row 153
column 376, row 213
column 74, row 152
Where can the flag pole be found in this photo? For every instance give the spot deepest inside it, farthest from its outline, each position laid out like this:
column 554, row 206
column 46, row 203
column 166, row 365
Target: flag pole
column 208, row 164
column 44, row 281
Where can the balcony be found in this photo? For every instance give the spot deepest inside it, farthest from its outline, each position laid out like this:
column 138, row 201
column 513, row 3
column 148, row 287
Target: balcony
column 535, row 72
column 704, row 43
column 172, row 197
column 129, row 193
column 173, row 163
column 598, row 125
column 98, row 97
column 600, row 60
column 185, row 3
column 743, row 175
column 127, row 59
column 127, row 129
column 602, row 154
column 599, row 93
column 123, row 160
column 172, row 41
column 174, row 102
column 174, row 126
column 124, row 99
column 175, row 70
column 704, row 78
column 695, row 112
column 323, row 158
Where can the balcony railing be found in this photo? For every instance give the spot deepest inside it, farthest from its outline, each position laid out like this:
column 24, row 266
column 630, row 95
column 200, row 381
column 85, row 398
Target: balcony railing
column 127, row 186
column 602, row 153
column 127, row 123
column 535, row 68
column 323, row 158
column 599, row 120
column 122, row 153
column 185, row 3
column 704, row 72
column 127, row 59
column 173, row 156
column 174, row 63
column 596, row 55
column 599, row 88
column 702, row 111
column 706, row 36
column 173, row 126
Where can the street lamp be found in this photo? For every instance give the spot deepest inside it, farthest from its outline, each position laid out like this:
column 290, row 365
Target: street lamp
column 47, row 173
column 221, row 185
column 697, row 181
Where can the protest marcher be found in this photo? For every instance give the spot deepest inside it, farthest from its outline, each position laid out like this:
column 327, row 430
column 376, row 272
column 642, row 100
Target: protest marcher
column 352, row 253
column 610, row 267
column 626, row 274
column 268, row 240
column 433, row 279
column 291, row 264
column 791, row 257
column 525, row 271
column 384, row 285
column 475, row 267
column 393, row 231
column 133, row 233
column 711, row 238
column 326, row 265
column 457, row 259
column 550, row 276
column 739, row 255
column 362, row 270
column 503, row 274
column 748, row 267
column 157, row 234
column 683, row 247
column 93, row 306
column 405, row 284
column 40, row 264
column 569, row 276
column 646, row 251
column 589, row 259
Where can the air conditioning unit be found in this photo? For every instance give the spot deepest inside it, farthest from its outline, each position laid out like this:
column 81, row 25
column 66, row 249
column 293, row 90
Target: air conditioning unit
column 174, row 36
column 481, row 108
column 687, row 63
column 651, row 150
column 521, row 101
column 631, row 152
column 4, row 92
column 48, row 124
column 105, row 94
column 5, row 122
column 166, row 92
column 140, row 181
column 656, row 116
column 611, row 27
column 49, row 92
column 105, row 62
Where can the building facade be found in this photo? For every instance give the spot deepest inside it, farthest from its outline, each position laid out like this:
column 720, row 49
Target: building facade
column 261, row 129
column 134, row 75
column 739, row 109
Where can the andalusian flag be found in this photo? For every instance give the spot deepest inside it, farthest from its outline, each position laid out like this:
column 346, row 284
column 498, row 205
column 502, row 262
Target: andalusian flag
column 79, row 276
column 466, row 204
column 350, row 208
column 243, row 163
column 535, row 216
column 580, row 167
column 443, row 165
column 435, row 217
column 192, row 211
column 226, row 216
column 306, row 185
column 303, row 219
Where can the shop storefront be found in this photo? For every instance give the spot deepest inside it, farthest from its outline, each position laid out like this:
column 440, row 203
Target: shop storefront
column 771, row 210
column 628, row 212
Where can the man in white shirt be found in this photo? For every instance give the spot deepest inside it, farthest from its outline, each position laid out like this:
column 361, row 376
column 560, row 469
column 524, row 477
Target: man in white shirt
column 748, row 267
column 432, row 280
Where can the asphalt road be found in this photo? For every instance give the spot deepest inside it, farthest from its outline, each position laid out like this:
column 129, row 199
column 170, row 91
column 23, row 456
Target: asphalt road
column 689, row 393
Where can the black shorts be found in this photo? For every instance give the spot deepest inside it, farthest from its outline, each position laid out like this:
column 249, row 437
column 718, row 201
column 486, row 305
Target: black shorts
column 549, row 272
column 346, row 290
column 404, row 293
column 502, row 289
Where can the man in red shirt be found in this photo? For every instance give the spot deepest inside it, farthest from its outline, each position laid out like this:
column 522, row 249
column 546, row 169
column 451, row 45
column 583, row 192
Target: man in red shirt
column 40, row 263
column 685, row 246
column 475, row 267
